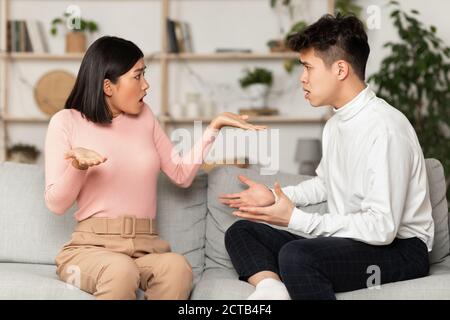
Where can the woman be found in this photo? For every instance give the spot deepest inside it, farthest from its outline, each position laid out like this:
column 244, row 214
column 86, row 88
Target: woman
column 105, row 151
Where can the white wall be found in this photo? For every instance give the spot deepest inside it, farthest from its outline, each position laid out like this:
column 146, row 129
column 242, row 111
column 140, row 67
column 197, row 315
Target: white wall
column 215, row 23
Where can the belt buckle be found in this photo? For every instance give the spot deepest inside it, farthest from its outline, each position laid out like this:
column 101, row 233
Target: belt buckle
column 123, row 232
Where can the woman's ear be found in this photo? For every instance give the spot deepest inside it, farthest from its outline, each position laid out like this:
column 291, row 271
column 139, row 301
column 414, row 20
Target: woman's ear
column 107, row 87
column 342, row 69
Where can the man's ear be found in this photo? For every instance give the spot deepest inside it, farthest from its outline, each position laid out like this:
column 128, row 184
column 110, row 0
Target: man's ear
column 342, row 69
column 107, row 87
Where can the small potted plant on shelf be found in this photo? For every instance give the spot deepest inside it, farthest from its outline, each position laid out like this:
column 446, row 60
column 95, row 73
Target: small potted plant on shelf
column 296, row 28
column 257, row 83
column 22, row 153
column 279, row 45
column 76, row 31
column 344, row 7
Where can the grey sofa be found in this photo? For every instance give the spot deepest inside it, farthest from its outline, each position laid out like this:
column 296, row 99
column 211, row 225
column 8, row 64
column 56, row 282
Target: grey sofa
column 192, row 220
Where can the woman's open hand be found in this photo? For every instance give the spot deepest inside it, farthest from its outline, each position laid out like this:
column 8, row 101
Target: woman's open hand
column 233, row 120
column 84, row 158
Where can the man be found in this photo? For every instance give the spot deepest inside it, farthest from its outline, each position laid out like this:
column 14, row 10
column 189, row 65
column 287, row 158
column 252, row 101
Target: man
column 372, row 174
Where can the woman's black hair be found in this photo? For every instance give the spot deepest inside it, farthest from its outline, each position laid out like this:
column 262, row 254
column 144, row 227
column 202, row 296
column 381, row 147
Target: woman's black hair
column 334, row 38
column 107, row 58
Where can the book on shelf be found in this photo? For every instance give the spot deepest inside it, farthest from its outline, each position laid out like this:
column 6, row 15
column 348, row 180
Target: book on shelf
column 187, row 36
column 25, row 36
column 179, row 36
column 37, row 36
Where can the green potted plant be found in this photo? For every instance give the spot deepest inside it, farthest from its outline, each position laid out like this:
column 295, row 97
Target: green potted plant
column 22, row 153
column 257, row 83
column 415, row 78
column 76, row 35
column 280, row 45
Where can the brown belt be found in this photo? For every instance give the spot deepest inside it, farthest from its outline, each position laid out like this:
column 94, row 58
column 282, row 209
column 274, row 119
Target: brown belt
column 126, row 226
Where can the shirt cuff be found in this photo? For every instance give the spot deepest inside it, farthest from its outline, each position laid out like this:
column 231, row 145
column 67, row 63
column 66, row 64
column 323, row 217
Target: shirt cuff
column 274, row 194
column 300, row 220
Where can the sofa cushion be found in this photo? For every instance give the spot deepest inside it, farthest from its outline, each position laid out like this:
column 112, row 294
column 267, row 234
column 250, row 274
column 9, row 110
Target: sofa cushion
column 219, row 219
column 219, row 283
column 33, row 234
column 30, row 232
column 436, row 182
column 433, row 287
column 22, row 281
column 181, row 219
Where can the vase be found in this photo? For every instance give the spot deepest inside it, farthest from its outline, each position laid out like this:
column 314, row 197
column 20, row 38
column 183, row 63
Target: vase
column 75, row 42
column 193, row 108
column 258, row 95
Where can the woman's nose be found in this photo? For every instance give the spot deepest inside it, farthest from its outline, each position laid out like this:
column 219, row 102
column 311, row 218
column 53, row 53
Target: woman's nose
column 146, row 85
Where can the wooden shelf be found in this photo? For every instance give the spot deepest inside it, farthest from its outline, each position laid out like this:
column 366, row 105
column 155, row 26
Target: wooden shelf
column 231, row 56
column 41, row 56
column 170, row 120
column 25, row 120
column 260, row 119
column 168, row 56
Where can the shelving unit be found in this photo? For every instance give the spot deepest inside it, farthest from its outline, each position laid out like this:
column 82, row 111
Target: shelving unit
column 168, row 56
column 164, row 59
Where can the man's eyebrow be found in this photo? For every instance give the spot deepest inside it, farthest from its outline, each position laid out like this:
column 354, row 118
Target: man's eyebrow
column 140, row 69
column 304, row 63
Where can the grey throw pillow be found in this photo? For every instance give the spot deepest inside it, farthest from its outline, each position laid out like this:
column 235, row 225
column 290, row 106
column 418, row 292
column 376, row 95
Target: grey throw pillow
column 181, row 217
column 436, row 182
column 219, row 219
column 30, row 232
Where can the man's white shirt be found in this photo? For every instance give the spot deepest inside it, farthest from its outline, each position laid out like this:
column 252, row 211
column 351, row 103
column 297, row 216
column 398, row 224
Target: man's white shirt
column 372, row 173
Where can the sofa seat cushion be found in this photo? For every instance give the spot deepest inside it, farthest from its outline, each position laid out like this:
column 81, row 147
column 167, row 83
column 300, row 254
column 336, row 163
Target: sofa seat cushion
column 23, row 281
column 433, row 287
column 223, row 284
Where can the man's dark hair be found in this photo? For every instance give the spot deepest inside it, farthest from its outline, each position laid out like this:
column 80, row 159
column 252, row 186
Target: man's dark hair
column 335, row 38
column 107, row 58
